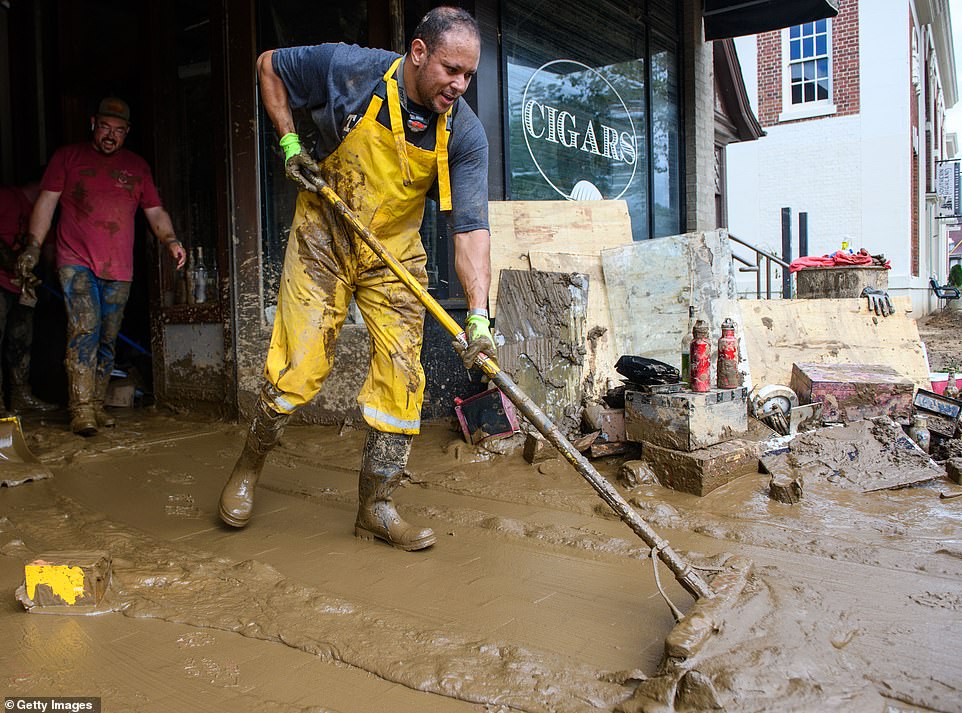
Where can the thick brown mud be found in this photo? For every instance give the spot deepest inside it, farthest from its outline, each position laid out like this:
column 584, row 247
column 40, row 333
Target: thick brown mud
column 535, row 598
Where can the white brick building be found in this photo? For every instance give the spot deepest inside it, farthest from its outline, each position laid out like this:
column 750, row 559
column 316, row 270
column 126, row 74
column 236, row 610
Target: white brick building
column 854, row 131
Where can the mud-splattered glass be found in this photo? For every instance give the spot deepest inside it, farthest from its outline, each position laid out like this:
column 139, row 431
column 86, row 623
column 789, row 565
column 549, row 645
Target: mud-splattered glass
column 592, row 107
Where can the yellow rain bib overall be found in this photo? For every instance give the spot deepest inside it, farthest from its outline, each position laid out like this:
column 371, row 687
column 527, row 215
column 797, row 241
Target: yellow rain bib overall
column 384, row 179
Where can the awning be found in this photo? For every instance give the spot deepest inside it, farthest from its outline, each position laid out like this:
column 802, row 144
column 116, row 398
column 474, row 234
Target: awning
column 733, row 18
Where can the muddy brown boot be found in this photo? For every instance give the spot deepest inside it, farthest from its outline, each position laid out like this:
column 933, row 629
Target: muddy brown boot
column 84, row 419
column 104, row 419
column 237, row 498
column 21, row 399
column 382, row 466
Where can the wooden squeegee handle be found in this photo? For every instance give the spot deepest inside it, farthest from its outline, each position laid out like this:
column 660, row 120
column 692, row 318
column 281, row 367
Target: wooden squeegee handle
column 684, row 573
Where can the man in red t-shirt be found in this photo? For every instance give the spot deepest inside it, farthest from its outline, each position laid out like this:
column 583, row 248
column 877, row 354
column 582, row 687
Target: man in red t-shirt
column 16, row 317
column 99, row 186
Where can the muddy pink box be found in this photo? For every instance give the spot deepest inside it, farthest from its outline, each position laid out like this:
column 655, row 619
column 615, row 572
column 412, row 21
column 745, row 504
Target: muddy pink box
column 486, row 415
column 852, row 392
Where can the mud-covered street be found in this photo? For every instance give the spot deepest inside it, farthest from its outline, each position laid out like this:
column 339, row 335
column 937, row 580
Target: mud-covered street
column 535, row 597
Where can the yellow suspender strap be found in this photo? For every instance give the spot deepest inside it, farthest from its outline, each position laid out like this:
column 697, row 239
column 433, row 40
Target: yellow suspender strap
column 373, row 108
column 397, row 126
column 441, row 147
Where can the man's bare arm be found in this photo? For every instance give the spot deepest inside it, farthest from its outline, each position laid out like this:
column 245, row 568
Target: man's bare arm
column 274, row 95
column 163, row 229
column 42, row 216
column 472, row 262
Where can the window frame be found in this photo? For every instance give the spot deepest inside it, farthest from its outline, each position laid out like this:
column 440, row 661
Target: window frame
column 818, row 107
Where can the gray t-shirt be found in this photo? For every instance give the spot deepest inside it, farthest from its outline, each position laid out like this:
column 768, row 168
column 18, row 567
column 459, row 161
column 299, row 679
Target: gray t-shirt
column 335, row 82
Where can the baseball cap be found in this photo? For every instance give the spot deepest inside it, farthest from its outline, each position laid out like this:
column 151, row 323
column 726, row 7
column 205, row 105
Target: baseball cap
column 112, row 106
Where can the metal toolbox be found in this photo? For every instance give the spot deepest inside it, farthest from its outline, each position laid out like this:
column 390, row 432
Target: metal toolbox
column 941, row 412
column 686, row 420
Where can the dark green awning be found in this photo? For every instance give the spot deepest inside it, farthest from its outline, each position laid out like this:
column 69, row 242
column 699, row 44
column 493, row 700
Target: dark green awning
column 733, row 18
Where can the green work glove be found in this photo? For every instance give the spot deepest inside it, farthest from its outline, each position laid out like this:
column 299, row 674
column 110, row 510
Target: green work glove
column 26, row 261
column 477, row 331
column 298, row 164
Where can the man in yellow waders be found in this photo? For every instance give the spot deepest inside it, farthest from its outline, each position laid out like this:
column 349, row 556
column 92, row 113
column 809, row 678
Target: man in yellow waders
column 390, row 128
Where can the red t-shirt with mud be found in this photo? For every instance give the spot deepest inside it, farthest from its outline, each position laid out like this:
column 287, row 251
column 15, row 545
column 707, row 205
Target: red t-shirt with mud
column 15, row 210
column 99, row 197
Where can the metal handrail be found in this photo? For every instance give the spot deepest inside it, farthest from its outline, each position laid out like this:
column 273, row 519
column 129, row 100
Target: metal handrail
column 760, row 255
column 763, row 253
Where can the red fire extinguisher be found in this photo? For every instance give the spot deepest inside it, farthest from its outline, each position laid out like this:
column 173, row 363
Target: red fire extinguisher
column 727, row 366
column 700, row 358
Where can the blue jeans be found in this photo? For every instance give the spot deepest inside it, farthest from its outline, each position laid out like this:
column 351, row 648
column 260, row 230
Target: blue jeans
column 95, row 309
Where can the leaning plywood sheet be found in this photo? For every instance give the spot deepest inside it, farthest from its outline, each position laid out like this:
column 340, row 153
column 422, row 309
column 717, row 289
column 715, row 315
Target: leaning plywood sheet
column 542, row 318
column 651, row 284
column 585, row 227
column 599, row 365
column 843, row 331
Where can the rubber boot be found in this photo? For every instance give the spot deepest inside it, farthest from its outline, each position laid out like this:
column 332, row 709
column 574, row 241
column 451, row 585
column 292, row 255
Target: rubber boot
column 104, row 419
column 382, row 466
column 84, row 419
column 22, row 399
column 237, row 498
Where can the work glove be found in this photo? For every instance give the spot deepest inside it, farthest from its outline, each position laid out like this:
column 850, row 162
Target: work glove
column 878, row 301
column 26, row 261
column 477, row 332
column 298, row 164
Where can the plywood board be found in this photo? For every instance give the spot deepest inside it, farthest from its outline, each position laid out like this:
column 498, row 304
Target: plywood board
column 843, row 331
column 599, row 365
column 543, row 323
column 651, row 284
column 580, row 227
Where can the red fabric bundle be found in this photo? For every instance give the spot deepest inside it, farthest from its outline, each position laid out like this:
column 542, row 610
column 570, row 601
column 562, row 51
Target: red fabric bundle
column 837, row 259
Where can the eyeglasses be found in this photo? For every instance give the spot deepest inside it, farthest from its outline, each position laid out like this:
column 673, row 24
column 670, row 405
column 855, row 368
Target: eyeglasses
column 115, row 130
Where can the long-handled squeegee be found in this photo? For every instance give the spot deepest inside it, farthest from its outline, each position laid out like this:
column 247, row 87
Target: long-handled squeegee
column 731, row 579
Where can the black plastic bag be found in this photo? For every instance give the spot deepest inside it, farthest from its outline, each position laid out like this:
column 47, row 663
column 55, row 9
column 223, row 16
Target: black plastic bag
column 644, row 371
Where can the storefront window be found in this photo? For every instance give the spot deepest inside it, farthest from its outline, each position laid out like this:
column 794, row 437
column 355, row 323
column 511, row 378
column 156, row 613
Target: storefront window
column 282, row 23
column 578, row 96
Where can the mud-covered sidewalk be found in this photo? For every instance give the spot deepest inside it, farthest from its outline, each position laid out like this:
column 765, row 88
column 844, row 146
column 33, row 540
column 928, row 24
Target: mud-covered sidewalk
column 535, row 597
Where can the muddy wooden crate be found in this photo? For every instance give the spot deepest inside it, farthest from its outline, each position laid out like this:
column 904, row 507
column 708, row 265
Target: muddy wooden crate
column 686, row 420
column 851, row 392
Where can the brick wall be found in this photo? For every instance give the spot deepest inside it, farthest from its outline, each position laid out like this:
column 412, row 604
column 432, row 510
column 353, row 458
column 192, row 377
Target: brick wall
column 769, row 77
column 845, row 67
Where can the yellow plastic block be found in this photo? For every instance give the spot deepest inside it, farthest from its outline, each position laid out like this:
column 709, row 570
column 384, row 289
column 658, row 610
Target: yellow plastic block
column 65, row 579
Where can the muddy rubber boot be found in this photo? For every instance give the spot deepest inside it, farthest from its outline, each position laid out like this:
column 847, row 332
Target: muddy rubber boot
column 22, row 399
column 237, row 498
column 104, row 419
column 84, row 419
column 382, row 466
